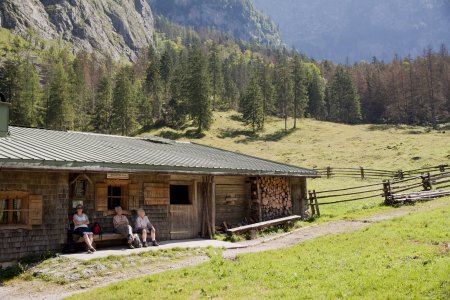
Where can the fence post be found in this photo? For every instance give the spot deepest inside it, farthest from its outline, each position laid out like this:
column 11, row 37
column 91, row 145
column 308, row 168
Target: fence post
column 387, row 191
column 328, row 172
column 362, row 172
column 426, row 182
column 442, row 168
column 316, row 203
column 311, row 203
column 400, row 174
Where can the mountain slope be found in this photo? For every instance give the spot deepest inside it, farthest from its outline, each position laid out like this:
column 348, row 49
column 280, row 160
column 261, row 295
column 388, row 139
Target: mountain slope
column 360, row 29
column 238, row 17
column 116, row 28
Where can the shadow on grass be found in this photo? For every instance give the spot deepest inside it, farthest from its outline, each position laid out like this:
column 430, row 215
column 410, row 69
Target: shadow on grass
column 383, row 127
column 271, row 137
column 23, row 265
column 173, row 135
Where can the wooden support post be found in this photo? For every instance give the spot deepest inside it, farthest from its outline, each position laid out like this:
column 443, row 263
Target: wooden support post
column 442, row 168
column 316, row 203
column 387, row 191
column 362, row 172
column 328, row 172
column 258, row 190
column 213, row 205
column 426, row 182
column 400, row 174
column 311, row 203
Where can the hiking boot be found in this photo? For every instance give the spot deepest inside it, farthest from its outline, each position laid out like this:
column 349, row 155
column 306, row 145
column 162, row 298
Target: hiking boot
column 155, row 243
column 90, row 251
column 145, row 244
column 130, row 246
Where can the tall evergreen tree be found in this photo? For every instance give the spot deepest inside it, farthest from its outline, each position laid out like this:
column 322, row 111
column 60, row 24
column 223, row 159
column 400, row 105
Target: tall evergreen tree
column 101, row 121
column 267, row 89
column 344, row 100
column 316, row 92
column 300, row 96
column 216, row 74
column 59, row 110
column 123, row 117
column 199, row 90
column 178, row 108
column 79, row 92
column 153, row 85
column 285, row 93
column 252, row 105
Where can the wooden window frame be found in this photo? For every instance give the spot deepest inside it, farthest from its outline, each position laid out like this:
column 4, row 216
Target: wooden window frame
column 124, row 185
column 191, row 190
column 24, row 211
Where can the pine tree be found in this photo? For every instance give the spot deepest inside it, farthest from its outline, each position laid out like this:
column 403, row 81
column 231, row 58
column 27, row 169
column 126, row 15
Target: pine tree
column 59, row 110
column 178, row 107
column 267, row 89
column 123, row 117
column 316, row 92
column 344, row 100
column 252, row 105
column 101, row 121
column 153, row 85
column 199, row 90
column 216, row 75
column 299, row 89
column 285, row 93
column 79, row 92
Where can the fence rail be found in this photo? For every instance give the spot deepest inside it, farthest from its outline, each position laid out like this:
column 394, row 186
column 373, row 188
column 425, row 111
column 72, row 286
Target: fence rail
column 391, row 191
column 368, row 173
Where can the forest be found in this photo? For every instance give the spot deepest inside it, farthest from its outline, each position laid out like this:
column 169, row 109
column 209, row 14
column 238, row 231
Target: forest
column 187, row 74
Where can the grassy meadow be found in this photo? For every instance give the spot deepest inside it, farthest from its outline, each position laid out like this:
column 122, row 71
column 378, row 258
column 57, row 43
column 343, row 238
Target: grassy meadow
column 403, row 258
column 321, row 144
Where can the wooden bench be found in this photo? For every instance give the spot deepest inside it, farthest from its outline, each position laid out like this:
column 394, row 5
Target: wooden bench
column 102, row 237
column 264, row 224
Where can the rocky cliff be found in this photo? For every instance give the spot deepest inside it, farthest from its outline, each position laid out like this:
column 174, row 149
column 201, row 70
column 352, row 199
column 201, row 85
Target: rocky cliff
column 118, row 28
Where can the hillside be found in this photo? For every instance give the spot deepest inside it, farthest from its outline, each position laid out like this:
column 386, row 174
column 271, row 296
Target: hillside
column 116, row 28
column 238, row 17
column 321, row 144
column 329, row 29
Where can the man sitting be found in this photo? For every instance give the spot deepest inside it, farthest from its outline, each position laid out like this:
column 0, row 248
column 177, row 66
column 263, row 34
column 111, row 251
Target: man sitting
column 122, row 226
column 143, row 226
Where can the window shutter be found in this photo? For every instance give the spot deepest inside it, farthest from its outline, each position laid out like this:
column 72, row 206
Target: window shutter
column 156, row 193
column 133, row 197
column 35, row 210
column 101, row 197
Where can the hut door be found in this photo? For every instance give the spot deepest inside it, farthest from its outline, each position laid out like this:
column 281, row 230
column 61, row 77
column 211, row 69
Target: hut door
column 183, row 211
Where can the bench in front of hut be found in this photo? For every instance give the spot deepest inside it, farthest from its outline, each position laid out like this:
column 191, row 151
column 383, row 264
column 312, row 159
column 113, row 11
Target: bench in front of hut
column 254, row 227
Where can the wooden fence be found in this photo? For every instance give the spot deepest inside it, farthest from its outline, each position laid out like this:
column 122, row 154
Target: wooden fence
column 393, row 192
column 367, row 173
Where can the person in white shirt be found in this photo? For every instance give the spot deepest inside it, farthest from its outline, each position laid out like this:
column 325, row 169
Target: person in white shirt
column 143, row 227
column 122, row 226
column 81, row 222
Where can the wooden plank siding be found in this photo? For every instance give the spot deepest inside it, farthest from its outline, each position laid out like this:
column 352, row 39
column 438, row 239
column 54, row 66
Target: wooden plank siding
column 232, row 203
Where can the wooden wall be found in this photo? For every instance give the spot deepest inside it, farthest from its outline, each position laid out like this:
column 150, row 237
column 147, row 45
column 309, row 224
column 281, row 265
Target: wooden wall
column 232, row 200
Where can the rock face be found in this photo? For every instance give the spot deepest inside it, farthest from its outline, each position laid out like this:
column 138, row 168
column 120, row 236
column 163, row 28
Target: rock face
column 118, row 28
column 358, row 29
column 238, row 17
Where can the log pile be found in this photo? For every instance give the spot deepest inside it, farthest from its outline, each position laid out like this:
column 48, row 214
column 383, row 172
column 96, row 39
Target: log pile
column 418, row 196
column 274, row 197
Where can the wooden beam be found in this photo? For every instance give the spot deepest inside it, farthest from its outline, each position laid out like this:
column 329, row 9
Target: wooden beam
column 213, row 205
column 263, row 224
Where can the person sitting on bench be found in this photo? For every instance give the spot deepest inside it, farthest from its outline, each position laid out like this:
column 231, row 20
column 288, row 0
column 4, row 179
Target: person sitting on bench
column 143, row 226
column 122, row 226
column 81, row 222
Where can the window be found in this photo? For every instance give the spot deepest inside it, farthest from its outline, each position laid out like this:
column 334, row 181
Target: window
column 180, row 194
column 115, row 197
column 13, row 208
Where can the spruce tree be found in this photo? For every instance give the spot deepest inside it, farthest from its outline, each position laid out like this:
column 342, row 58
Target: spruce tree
column 267, row 89
column 199, row 90
column 252, row 105
column 285, row 93
column 101, row 121
column 178, row 106
column 153, row 85
column 79, row 93
column 59, row 112
column 216, row 75
column 123, row 117
column 316, row 92
column 344, row 100
column 299, row 89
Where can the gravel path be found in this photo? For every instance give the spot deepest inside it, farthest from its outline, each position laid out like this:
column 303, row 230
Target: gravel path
column 39, row 290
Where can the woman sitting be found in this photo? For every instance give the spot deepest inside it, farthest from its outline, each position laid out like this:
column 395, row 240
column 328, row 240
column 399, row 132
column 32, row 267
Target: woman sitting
column 143, row 226
column 81, row 222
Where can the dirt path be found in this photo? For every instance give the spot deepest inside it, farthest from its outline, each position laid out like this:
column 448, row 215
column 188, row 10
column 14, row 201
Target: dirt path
column 40, row 290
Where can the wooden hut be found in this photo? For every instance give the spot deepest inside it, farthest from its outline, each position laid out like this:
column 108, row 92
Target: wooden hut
column 185, row 188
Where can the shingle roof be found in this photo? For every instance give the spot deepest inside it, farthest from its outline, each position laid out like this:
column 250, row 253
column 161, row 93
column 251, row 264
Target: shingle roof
column 40, row 148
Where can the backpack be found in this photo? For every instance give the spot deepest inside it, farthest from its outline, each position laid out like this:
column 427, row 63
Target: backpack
column 96, row 229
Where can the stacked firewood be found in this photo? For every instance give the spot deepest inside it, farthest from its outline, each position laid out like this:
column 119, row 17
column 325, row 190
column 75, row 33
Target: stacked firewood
column 275, row 197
